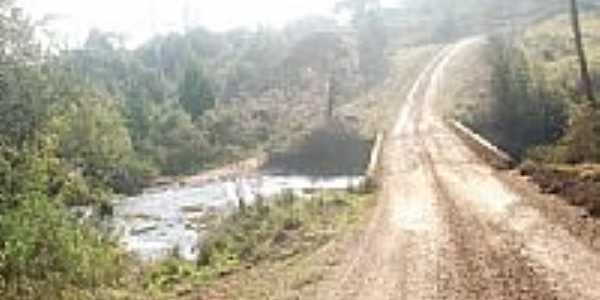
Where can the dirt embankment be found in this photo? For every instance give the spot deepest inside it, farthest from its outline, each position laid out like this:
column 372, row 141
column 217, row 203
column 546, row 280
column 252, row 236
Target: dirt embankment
column 578, row 185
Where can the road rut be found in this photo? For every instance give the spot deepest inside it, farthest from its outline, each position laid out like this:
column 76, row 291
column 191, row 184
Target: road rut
column 447, row 227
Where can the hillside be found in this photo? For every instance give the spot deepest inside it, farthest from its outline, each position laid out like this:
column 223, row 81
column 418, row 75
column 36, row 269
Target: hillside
column 549, row 47
column 534, row 68
column 526, row 96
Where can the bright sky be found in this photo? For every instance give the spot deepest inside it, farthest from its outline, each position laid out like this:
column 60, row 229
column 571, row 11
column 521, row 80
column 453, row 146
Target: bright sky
column 140, row 19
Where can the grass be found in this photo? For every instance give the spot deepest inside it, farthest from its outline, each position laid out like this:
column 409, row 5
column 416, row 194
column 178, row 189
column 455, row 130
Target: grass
column 551, row 50
column 272, row 243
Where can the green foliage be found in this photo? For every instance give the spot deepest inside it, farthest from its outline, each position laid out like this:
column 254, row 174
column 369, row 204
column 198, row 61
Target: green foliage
column 43, row 252
column 169, row 273
column 550, row 54
column 36, row 170
column 268, row 230
column 92, row 137
column 195, row 92
column 233, row 131
column 175, row 144
column 580, row 144
column 524, row 113
column 165, row 93
column 277, row 229
column 77, row 125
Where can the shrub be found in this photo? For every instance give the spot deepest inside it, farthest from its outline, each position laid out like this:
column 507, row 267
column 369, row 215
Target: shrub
column 91, row 137
column 44, row 252
column 174, row 144
column 130, row 178
column 581, row 144
column 525, row 111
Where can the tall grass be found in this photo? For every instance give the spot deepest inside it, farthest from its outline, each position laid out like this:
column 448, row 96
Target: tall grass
column 268, row 230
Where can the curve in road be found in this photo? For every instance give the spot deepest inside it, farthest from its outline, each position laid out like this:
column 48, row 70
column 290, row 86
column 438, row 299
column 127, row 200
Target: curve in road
column 447, row 227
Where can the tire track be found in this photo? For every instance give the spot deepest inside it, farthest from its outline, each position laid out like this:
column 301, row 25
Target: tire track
column 447, row 228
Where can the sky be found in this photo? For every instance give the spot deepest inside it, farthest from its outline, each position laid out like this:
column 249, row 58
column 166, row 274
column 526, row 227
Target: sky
column 140, row 19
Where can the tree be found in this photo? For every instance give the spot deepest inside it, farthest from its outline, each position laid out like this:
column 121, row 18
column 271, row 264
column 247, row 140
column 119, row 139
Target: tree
column 177, row 145
column 524, row 112
column 329, row 55
column 21, row 79
column 372, row 37
column 92, row 136
column 585, row 74
column 195, row 92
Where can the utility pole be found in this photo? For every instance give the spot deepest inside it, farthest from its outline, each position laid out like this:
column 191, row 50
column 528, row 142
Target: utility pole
column 585, row 74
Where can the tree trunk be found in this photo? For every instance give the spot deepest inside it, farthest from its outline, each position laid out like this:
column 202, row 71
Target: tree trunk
column 585, row 74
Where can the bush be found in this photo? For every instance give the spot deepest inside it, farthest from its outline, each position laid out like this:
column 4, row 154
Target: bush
column 233, row 132
column 44, row 252
column 130, row 178
column 581, row 144
column 525, row 112
column 175, row 144
column 93, row 140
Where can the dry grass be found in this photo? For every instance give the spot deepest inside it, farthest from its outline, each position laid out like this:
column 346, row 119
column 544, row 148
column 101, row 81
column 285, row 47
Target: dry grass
column 579, row 185
column 551, row 50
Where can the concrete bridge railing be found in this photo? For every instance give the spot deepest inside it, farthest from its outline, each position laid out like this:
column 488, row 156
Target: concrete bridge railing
column 482, row 147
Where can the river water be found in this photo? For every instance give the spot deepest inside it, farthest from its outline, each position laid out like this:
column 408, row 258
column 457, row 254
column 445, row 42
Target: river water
column 164, row 220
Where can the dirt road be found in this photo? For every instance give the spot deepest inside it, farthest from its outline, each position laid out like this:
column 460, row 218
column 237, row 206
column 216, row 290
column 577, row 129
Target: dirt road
column 449, row 227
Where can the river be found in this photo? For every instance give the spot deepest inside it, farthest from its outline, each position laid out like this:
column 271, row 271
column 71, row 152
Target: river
column 174, row 219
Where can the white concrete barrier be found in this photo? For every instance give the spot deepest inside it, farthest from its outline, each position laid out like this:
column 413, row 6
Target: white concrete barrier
column 482, row 147
column 375, row 156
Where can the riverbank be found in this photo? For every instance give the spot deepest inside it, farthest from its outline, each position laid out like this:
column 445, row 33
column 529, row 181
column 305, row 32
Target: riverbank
column 246, row 167
column 152, row 225
column 280, row 245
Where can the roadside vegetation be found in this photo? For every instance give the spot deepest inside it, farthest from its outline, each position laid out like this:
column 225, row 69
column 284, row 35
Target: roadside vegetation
column 538, row 110
column 79, row 125
column 269, row 243
column 524, row 112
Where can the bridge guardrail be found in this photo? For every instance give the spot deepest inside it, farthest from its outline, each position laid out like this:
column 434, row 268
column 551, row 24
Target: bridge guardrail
column 482, row 147
column 375, row 157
